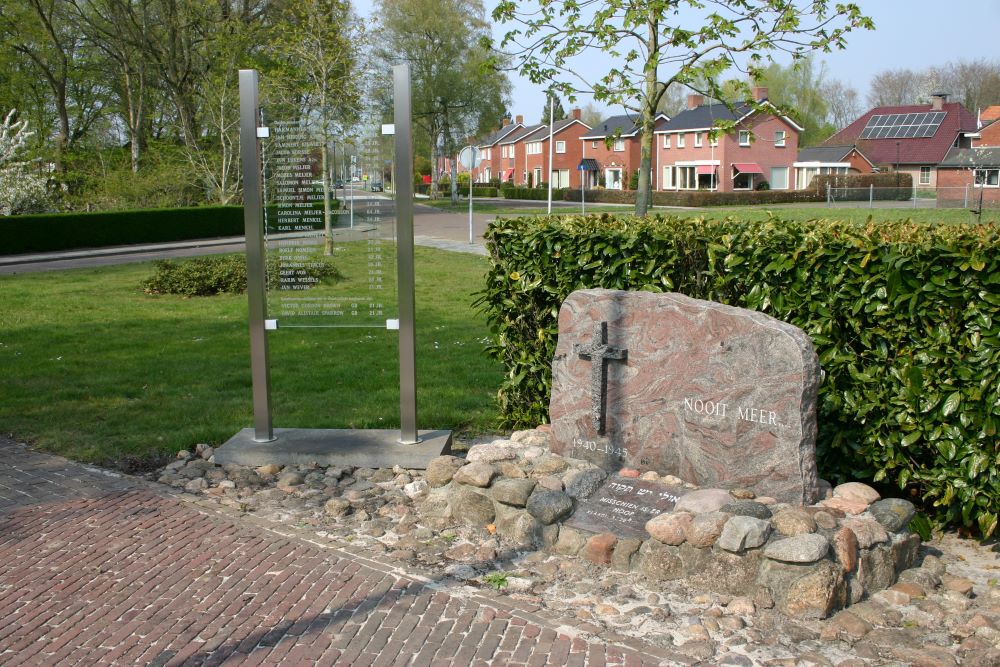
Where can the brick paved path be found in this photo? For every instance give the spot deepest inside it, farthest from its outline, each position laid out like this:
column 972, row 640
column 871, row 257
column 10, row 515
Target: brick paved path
column 98, row 569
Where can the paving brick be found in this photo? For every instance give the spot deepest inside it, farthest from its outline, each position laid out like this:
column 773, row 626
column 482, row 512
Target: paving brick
column 96, row 569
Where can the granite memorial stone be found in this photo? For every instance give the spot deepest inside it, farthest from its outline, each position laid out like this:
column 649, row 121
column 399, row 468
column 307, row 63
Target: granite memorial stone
column 716, row 395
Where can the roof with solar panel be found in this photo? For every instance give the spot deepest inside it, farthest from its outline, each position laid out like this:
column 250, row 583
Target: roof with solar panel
column 908, row 134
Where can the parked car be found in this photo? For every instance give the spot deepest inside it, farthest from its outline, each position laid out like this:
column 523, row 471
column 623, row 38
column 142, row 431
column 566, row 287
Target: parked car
column 376, row 187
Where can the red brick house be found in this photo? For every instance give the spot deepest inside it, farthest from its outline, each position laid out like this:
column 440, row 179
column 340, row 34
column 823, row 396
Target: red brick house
column 967, row 176
column 818, row 160
column 566, row 153
column 913, row 138
column 614, row 164
column 762, row 147
column 511, row 150
column 491, row 164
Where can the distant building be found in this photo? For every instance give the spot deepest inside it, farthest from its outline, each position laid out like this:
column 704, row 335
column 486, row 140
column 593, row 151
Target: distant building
column 762, row 147
column 491, row 164
column 566, row 153
column 819, row 160
column 913, row 138
column 612, row 149
column 969, row 175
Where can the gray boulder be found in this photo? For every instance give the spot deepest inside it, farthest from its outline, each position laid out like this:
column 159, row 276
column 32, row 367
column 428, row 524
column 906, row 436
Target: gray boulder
column 549, row 506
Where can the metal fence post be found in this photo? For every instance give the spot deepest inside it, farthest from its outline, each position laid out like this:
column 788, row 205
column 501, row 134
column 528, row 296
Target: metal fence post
column 829, row 197
column 871, row 195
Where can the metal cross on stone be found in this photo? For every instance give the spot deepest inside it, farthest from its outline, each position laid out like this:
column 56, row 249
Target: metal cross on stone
column 599, row 354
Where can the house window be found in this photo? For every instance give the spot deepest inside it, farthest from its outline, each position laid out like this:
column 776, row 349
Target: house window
column 925, row 176
column 560, row 147
column 697, row 139
column 779, row 138
column 742, row 181
column 744, row 137
column 538, row 176
column 668, row 178
column 503, row 151
column 560, row 178
column 593, row 144
column 687, row 179
column 619, row 145
column 779, row 178
column 613, row 179
column 713, row 141
column 666, row 141
column 988, row 178
column 680, row 140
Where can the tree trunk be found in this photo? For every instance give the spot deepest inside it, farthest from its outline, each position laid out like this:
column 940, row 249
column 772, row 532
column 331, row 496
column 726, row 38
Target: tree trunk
column 644, row 195
column 454, row 181
column 327, row 213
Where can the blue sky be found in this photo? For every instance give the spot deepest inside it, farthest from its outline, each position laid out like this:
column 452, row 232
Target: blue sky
column 915, row 34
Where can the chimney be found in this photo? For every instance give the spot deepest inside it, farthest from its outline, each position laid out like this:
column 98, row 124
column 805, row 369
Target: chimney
column 519, row 119
column 695, row 101
column 938, row 100
column 759, row 93
column 506, row 121
column 577, row 114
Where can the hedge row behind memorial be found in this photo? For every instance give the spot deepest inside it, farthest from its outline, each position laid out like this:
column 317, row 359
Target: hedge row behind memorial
column 66, row 231
column 905, row 318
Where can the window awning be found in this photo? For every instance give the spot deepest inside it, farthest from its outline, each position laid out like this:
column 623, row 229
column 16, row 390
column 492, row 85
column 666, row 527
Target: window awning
column 507, row 174
column 588, row 164
column 705, row 169
column 748, row 168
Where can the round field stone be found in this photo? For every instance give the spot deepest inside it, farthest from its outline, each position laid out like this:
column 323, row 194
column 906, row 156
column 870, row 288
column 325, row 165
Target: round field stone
column 549, row 506
column 513, row 491
column 583, row 483
column 475, row 474
column 669, row 528
column 893, row 513
column 743, row 532
column 703, row 500
column 793, row 521
column 337, row 507
column 442, row 469
column 807, row 548
column 747, row 508
column 550, row 465
column 705, row 529
column 868, row 531
column 493, row 452
column 856, row 491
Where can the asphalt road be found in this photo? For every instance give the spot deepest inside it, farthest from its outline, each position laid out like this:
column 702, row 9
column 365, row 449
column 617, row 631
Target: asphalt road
column 432, row 227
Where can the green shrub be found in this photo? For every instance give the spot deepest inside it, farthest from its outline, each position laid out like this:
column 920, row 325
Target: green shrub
column 67, row 231
column 905, row 318
column 217, row 274
column 540, row 193
column 485, row 192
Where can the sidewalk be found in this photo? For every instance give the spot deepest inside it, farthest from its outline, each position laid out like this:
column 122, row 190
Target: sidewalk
column 99, row 568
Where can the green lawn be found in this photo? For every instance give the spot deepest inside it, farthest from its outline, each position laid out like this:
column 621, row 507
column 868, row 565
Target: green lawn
column 96, row 370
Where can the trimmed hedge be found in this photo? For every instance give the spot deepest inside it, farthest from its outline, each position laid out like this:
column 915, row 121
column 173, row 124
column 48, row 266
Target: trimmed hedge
column 66, row 231
column 484, row 192
column 844, row 187
column 558, row 194
column 905, row 319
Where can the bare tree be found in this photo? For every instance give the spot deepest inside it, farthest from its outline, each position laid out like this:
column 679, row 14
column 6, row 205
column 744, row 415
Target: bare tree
column 893, row 87
column 843, row 104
